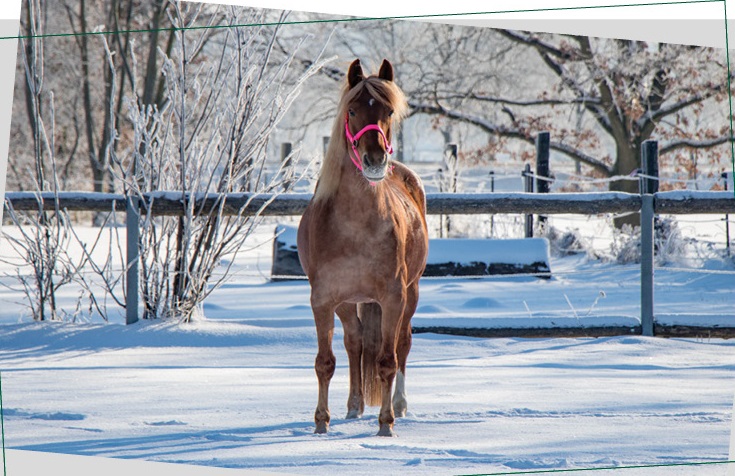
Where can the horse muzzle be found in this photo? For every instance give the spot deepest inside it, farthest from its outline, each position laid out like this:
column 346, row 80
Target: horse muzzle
column 375, row 173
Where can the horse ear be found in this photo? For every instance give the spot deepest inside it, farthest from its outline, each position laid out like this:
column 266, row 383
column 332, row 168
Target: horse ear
column 386, row 71
column 354, row 74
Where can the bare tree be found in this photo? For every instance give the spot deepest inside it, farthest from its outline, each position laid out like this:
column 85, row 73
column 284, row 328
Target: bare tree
column 42, row 238
column 210, row 135
column 107, row 79
column 78, row 65
column 632, row 91
column 195, row 118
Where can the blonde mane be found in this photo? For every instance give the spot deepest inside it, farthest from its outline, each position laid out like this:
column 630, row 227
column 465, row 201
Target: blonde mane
column 389, row 94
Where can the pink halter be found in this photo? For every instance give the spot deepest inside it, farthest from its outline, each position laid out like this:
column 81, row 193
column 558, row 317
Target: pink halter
column 353, row 140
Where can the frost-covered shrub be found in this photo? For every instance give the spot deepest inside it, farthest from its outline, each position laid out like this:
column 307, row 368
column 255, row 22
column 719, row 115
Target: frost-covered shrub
column 567, row 243
column 668, row 243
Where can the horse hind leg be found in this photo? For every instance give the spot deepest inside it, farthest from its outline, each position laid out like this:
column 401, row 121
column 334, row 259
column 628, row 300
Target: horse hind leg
column 400, row 404
column 324, row 364
column 353, row 345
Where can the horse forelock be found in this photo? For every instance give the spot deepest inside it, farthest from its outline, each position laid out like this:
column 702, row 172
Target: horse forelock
column 388, row 94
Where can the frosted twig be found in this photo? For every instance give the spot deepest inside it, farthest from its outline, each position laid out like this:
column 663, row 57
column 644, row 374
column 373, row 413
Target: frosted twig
column 572, row 307
column 528, row 310
column 599, row 296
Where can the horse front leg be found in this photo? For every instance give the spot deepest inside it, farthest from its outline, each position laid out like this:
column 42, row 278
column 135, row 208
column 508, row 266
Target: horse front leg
column 387, row 364
column 324, row 364
column 353, row 345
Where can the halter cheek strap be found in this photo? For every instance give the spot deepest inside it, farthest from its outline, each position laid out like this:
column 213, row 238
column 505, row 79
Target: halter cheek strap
column 353, row 140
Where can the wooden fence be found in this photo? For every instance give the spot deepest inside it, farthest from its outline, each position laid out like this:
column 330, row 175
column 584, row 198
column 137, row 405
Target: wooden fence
column 175, row 204
column 647, row 203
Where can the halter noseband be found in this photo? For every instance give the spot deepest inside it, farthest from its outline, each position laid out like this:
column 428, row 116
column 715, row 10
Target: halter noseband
column 353, row 140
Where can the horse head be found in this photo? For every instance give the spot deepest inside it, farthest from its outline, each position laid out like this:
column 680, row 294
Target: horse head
column 369, row 119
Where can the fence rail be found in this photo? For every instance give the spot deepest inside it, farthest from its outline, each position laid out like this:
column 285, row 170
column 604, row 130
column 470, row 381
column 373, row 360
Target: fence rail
column 589, row 203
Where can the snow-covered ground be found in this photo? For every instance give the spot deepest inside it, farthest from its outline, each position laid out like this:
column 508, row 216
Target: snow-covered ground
column 238, row 389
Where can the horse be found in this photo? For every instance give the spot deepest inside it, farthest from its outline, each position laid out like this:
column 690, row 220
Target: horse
column 362, row 242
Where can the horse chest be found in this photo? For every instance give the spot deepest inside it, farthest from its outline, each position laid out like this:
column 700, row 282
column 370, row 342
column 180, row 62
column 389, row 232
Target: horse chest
column 365, row 233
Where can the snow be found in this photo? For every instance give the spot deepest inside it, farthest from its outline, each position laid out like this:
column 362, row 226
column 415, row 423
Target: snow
column 288, row 235
column 237, row 389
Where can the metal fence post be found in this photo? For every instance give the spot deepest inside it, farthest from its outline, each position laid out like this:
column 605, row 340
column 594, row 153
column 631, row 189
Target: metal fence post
column 648, row 187
column 286, row 149
column 528, row 188
column 452, row 166
column 542, row 167
column 492, row 190
column 451, row 152
column 132, row 225
column 647, row 264
column 649, row 166
column 726, row 176
column 325, row 145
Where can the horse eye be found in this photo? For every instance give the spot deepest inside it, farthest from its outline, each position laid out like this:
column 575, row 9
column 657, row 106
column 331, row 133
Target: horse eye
column 390, row 114
column 352, row 113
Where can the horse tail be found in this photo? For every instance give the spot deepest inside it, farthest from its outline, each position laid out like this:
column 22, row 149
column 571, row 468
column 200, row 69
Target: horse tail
column 371, row 317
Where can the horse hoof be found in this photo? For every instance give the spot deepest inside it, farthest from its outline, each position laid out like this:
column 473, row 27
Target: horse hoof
column 400, row 412
column 321, row 428
column 387, row 431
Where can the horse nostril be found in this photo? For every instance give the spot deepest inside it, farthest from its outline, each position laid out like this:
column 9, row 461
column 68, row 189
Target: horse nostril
column 365, row 159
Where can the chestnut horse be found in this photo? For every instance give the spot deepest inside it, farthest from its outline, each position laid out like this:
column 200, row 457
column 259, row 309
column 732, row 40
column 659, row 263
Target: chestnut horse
column 363, row 243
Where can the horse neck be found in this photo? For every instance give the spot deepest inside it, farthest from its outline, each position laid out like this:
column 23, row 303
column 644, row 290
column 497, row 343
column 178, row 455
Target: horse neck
column 356, row 194
column 351, row 182
column 338, row 175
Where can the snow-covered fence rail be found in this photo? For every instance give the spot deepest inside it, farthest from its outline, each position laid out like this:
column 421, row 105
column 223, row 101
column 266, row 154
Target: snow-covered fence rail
column 592, row 203
column 688, row 202
column 162, row 203
column 588, row 203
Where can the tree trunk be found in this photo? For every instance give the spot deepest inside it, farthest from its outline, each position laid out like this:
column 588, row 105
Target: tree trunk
column 627, row 161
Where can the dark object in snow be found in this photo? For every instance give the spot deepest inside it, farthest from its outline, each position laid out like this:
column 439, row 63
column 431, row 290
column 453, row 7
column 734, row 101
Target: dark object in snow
column 286, row 264
column 447, row 257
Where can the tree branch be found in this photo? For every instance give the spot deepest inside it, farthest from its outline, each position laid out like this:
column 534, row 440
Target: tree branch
column 503, row 131
column 478, row 121
column 608, row 115
column 692, row 144
column 603, row 109
column 679, row 105
column 533, row 102
column 542, row 46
